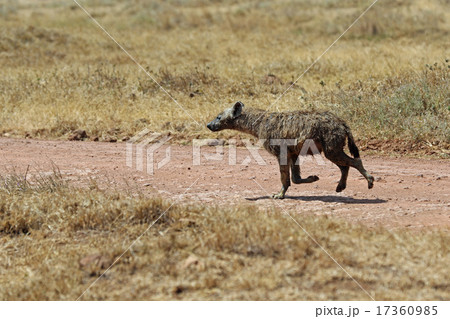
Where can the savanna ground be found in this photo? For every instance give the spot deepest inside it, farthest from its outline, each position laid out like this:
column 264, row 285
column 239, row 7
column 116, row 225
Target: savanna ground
column 388, row 77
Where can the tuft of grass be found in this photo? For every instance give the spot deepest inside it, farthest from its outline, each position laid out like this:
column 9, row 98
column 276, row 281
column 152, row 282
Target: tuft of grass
column 57, row 242
column 37, row 182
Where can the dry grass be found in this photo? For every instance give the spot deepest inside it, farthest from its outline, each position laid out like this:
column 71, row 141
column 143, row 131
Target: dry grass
column 56, row 241
column 60, row 73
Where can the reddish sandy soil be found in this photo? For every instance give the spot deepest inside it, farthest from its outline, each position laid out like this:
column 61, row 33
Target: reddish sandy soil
column 408, row 193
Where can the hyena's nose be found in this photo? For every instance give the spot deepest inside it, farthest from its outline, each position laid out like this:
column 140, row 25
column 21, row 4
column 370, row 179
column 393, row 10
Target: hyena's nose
column 209, row 125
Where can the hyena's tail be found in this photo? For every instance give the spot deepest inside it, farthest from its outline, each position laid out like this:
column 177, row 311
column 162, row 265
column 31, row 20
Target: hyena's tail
column 351, row 145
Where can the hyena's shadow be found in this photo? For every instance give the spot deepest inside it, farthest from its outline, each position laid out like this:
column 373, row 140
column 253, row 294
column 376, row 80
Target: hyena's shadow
column 327, row 199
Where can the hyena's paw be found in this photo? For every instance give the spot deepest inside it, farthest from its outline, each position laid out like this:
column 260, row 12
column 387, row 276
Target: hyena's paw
column 340, row 188
column 370, row 182
column 309, row 179
column 279, row 195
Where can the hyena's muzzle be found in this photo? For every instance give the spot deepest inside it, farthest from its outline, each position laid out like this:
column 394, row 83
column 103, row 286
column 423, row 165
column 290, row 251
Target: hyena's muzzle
column 213, row 126
column 216, row 124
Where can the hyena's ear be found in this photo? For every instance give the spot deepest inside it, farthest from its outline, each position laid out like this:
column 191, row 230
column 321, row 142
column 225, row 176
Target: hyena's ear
column 237, row 109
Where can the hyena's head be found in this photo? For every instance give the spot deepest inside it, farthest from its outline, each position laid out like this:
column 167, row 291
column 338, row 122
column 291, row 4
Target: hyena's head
column 226, row 119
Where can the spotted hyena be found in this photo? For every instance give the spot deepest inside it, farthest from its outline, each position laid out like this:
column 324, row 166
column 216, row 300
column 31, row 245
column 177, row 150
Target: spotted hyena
column 328, row 133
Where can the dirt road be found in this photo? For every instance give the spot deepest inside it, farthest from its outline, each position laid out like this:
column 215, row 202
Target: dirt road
column 412, row 193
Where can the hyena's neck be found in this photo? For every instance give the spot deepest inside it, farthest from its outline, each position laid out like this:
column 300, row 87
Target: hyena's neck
column 249, row 122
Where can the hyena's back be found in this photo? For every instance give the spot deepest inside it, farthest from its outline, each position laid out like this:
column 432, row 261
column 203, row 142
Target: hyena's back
column 324, row 128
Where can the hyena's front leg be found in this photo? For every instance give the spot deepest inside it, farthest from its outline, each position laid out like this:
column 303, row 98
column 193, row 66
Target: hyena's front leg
column 295, row 170
column 285, row 181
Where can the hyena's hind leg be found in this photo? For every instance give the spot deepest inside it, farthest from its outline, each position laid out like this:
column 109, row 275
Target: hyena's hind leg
column 343, row 160
column 295, row 170
column 343, row 181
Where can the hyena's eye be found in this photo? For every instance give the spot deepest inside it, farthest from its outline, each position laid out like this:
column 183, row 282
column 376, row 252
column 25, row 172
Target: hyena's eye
column 219, row 117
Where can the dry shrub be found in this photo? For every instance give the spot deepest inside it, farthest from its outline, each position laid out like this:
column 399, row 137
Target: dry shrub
column 409, row 107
